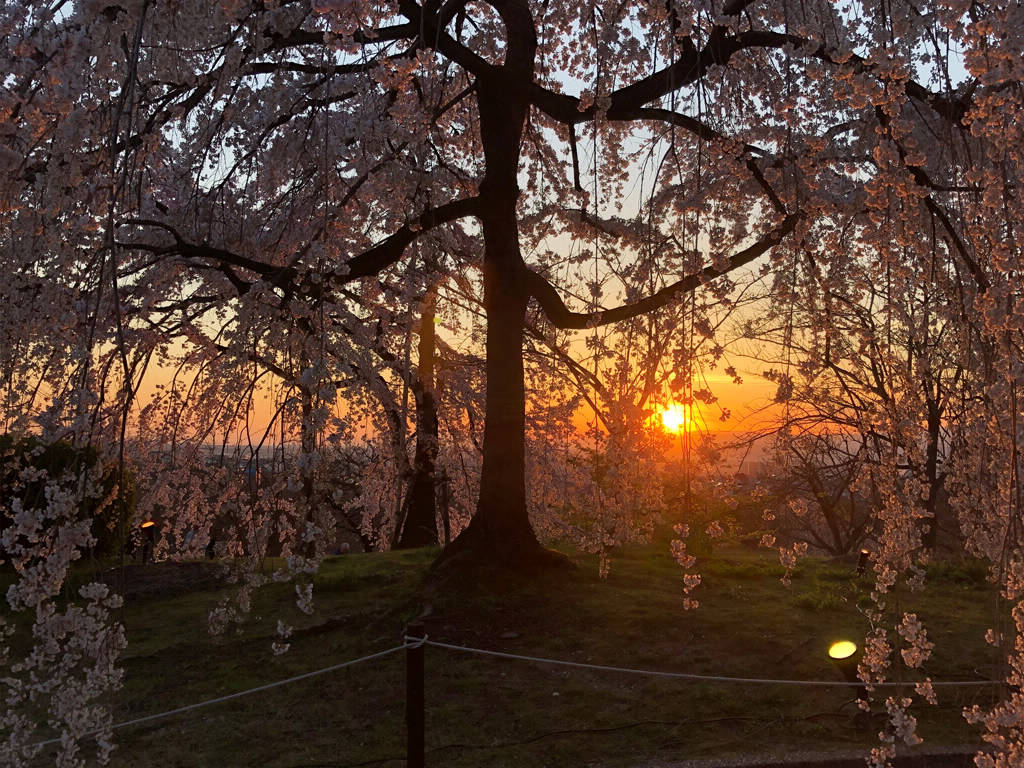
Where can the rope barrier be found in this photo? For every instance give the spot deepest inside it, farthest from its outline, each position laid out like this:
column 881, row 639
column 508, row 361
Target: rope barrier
column 238, row 694
column 417, row 642
column 705, row 678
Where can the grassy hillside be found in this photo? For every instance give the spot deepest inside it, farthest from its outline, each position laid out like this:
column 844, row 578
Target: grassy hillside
column 499, row 712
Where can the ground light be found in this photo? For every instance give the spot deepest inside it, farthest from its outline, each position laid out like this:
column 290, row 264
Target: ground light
column 845, row 655
column 842, row 651
column 148, row 540
column 862, row 562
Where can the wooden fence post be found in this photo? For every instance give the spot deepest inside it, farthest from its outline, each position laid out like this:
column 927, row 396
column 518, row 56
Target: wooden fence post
column 415, row 716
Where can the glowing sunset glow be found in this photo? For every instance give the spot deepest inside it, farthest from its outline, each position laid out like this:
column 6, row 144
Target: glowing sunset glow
column 674, row 418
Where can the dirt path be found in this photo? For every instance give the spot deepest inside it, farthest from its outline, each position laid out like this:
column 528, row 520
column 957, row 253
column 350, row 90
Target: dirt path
column 959, row 758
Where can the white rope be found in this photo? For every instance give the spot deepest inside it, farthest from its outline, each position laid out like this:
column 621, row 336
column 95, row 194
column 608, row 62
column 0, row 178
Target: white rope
column 237, row 695
column 688, row 676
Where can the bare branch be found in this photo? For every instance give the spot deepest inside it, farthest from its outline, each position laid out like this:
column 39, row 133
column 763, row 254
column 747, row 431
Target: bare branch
column 561, row 316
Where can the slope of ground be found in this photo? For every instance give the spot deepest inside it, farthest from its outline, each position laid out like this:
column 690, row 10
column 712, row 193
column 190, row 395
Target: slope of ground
column 485, row 710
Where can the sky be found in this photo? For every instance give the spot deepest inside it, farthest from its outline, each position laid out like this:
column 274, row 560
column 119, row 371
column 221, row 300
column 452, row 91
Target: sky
column 749, row 403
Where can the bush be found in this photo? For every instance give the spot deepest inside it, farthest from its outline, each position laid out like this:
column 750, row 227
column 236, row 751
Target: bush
column 61, row 459
column 968, row 571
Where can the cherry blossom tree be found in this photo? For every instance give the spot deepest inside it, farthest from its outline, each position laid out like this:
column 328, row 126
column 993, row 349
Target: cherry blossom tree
column 249, row 173
column 872, row 372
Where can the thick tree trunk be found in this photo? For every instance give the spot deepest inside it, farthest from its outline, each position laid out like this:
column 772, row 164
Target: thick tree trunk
column 501, row 525
column 420, row 519
column 500, row 531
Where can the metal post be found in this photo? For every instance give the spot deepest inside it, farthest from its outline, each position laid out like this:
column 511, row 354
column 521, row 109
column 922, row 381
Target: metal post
column 415, row 719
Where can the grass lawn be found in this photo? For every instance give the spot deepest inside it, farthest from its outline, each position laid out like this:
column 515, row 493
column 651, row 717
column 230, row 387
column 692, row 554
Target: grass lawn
column 500, row 712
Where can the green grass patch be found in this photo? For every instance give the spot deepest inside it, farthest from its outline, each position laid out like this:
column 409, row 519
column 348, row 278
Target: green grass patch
column 499, row 712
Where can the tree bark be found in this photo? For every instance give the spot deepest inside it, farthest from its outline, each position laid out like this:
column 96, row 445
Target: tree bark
column 933, row 479
column 308, row 447
column 419, row 527
column 500, row 531
column 501, row 510
column 501, row 527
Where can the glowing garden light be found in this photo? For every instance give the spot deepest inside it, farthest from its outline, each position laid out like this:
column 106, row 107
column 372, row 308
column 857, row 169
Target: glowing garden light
column 845, row 655
column 148, row 540
column 862, row 562
column 841, row 650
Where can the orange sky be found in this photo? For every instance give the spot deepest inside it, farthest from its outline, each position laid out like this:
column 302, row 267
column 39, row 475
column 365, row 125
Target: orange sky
column 749, row 404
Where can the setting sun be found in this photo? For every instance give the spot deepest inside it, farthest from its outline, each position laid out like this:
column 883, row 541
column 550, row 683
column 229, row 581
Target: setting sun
column 674, row 417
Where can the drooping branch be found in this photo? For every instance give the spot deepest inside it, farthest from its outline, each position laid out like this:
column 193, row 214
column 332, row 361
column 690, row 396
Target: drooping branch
column 924, row 181
column 315, row 37
column 703, row 131
column 390, row 250
column 561, row 316
column 366, row 264
column 693, row 64
column 272, row 67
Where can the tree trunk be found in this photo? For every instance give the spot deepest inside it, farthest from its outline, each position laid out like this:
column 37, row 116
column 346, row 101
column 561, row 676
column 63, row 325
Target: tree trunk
column 501, row 529
column 419, row 527
column 308, row 447
column 930, row 522
column 501, row 525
